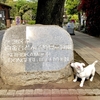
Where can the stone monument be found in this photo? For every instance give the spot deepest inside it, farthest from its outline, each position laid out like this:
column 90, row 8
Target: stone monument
column 36, row 55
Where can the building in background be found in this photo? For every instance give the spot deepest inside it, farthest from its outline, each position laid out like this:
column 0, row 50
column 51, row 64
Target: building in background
column 5, row 14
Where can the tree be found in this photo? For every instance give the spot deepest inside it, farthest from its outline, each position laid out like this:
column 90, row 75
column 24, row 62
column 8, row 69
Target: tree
column 14, row 10
column 92, row 10
column 50, row 12
column 16, row 5
column 28, row 6
column 33, row 0
column 71, row 9
column 2, row 1
column 19, row 7
column 71, row 6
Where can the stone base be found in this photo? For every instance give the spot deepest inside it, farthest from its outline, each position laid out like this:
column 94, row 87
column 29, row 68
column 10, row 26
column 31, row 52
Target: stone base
column 30, row 78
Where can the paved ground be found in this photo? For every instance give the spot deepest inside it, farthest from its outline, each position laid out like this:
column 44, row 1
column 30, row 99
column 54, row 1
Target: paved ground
column 1, row 36
column 88, row 48
column 54, row 98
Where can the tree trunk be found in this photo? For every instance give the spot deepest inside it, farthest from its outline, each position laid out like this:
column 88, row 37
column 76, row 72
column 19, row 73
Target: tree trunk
column 79, row 17
column 50, row 12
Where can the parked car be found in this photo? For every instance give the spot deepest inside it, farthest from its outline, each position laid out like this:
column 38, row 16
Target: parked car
column 70, row 28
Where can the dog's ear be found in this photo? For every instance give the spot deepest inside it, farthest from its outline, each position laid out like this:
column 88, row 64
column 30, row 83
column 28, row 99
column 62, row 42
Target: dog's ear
column 83, row 64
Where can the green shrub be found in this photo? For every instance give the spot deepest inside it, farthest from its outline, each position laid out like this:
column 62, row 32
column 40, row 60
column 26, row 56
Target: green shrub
column 31, row 22
column 2, row 26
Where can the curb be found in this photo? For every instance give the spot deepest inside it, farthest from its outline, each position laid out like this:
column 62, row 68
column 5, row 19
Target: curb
column 49, row 92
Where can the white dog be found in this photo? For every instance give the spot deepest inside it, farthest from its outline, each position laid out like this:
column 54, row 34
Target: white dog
column 84, row 73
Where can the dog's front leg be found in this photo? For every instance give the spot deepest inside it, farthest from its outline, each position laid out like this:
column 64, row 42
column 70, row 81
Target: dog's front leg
column 75, row 79
column 82, row 82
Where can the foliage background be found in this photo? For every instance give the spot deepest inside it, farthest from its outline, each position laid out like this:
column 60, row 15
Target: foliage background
column 24, row 8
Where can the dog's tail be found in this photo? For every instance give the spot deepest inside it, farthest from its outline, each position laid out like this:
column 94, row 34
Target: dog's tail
column 95, row 62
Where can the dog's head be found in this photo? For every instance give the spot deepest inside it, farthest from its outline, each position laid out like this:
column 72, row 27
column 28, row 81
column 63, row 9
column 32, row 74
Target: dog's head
column 78, row 66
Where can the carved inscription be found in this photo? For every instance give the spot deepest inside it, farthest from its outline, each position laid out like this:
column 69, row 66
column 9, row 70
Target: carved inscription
column 17, row 48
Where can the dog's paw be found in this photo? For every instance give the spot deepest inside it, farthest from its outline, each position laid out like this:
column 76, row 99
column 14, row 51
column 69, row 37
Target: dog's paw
column 91, row 79
column 81, row 85
column 74, row 80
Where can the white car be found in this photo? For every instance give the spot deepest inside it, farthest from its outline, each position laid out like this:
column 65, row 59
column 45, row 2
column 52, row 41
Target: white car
column 70, row 28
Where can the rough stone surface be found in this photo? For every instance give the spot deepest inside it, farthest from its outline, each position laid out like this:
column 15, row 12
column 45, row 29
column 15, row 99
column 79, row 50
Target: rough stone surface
column 36, row 55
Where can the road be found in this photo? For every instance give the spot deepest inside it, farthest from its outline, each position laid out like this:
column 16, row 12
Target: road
column 1, row 36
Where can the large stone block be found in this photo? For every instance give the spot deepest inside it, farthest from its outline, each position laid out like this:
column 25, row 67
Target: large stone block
column 36, row 55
